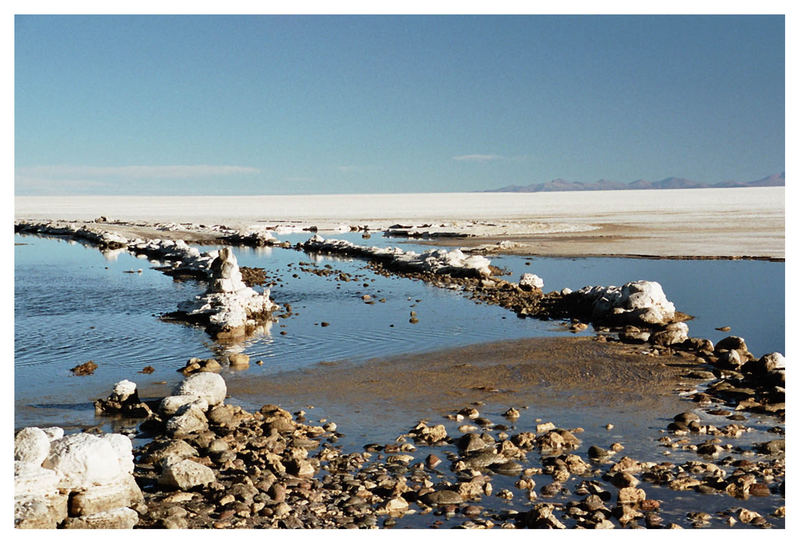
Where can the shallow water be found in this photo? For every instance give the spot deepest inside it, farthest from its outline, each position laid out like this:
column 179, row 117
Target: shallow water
column 73, row 304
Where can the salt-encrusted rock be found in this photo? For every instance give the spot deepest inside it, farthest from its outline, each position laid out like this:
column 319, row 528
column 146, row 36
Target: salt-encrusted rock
column 39, row 511
column 530, row 282
column 53, row 433
column 185, row 474
column 123, row 400
column 124, row 389
column 123, row 448
column 674, row 333
column 771, row 367
column 228, row 308
column 101, row 498
column 83, row 460
column 206, row 385
column 638, row 302
column 32, row 479
column 436, row 261
column 120, row 518
column 190, row 420
column 173, row 404
column 31, row 445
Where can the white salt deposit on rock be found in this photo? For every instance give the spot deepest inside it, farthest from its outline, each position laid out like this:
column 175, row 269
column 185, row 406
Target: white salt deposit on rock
column 635, row 302
column 437, row 261
column 189, row 420
column 229, row 306
column 123, row 448
column 205, row 385
column 530, row 282
column 32, row 479
column 31, row 445
column 124, row 389
column 171, row 405
column 83, row 460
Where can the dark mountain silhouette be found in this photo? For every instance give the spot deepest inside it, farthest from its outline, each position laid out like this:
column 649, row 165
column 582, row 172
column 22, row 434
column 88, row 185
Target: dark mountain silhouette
column 775, row 180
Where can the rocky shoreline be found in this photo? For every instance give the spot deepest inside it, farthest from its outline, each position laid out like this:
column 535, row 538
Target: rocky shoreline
column 211, row 464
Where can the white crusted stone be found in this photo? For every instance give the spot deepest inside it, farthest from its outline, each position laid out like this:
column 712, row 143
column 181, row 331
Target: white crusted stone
column 31, row 445
column 31, row 479
column 82, row 460
column 124, row 389
column 205, row 385
column 171, row 405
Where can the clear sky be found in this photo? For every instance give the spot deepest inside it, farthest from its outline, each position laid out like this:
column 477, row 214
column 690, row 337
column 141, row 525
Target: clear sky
column 343, row 104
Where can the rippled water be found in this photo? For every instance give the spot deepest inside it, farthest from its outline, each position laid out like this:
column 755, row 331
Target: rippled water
column 73, row 304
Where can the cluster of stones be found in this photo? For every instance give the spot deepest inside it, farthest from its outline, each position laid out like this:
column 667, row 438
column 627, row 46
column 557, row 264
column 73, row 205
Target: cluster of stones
column 79, row 481
column 210, row 464
column 423, row 231
column 100, row 237
column 228, row 309
column 437, row 261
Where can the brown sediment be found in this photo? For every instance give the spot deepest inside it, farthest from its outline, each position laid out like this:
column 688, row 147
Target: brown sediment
column 661, row 241
column 556, row 371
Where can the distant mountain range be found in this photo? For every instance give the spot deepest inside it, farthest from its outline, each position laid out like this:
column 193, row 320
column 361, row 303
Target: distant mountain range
column 775, row 180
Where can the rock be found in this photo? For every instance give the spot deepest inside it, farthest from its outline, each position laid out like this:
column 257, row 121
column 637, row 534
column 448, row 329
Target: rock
column 442, row 497
column 31, row 479
column 120, row 518
column 735, row 343
column 239, row 360
column 171, row 405
column 631, row 495
column 194, row 365
column 634, row 335
column 674, row 333
column 97, row 499
column 772, row 447
column 39, row 511
column 83, row 460
column 597, row 453
column 31, row 445
column 530, row 282
column 766, row 365
column 207, row 386
column 84, row 369
column 471, row 442
column 189, row 420
column 228, row 309
column 176, row 449
column 185, row 475
column 638, row 302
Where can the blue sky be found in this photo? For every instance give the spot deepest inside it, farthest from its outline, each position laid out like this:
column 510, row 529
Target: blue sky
column 343, row 104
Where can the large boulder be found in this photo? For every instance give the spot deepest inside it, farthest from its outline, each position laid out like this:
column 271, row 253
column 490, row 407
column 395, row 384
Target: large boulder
column 206, row 385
